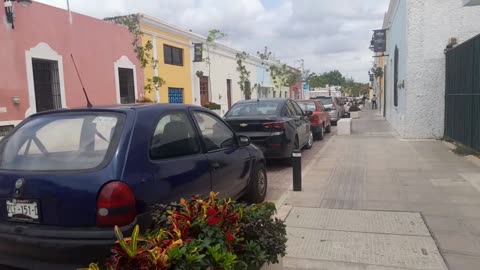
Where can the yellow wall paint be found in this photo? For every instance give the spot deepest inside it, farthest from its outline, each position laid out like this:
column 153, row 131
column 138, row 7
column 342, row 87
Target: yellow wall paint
column 174, row 76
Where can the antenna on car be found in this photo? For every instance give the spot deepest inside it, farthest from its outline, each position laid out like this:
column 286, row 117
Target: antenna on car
column 89, row 104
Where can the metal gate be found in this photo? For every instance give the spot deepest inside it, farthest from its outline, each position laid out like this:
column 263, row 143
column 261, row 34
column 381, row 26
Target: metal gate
column 462, row 93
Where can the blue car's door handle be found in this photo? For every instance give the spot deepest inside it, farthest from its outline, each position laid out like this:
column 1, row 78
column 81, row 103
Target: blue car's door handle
column 215, row 166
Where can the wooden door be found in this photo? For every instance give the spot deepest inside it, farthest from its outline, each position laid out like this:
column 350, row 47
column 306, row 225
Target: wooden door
column 229, row 93
column 204, row 96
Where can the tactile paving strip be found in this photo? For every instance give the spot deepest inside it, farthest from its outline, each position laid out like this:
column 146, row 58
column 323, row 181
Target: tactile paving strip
column 358, row 221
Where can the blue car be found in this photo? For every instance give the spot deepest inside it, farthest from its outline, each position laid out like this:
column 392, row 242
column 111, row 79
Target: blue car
column 68, row 176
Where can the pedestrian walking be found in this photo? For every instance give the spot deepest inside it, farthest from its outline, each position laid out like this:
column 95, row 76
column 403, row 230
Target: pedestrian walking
column 374, row 102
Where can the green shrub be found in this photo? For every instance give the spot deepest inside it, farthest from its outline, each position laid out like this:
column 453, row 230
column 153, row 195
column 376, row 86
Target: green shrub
column 212, row 106
column 203, row 234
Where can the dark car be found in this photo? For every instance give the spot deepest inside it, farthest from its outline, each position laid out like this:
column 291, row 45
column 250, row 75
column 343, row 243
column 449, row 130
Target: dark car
column 277, row 126
column 67, row 177
column 320, row 119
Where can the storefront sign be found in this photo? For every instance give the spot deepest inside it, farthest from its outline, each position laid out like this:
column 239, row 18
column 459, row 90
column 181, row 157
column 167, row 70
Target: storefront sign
column 379, row 40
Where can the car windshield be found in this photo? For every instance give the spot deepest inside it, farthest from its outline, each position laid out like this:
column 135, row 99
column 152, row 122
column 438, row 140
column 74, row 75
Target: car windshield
column 308, row 106
column 61, row 142
column 326, row 101
column 254, row 108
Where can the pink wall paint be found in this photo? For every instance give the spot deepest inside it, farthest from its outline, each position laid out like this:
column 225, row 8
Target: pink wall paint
column 296, row 87
column 95, row 44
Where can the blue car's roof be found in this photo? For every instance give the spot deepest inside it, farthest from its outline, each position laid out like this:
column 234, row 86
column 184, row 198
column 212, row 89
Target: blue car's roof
column 127, row 107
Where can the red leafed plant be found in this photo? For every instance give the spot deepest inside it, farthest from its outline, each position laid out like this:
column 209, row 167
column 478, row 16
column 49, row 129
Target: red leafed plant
column 202, row 234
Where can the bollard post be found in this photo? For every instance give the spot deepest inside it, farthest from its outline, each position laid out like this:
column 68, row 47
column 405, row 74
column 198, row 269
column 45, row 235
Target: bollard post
column 297, row 169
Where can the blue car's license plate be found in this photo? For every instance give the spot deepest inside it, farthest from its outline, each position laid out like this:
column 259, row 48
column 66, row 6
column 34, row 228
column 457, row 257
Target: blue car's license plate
column 22, row 210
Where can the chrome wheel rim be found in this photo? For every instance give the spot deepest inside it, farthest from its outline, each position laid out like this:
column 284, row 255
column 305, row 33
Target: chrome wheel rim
column 261, row 182
column 310, row 139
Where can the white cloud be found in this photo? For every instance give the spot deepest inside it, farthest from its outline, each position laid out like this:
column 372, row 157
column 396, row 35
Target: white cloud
column 327, row 34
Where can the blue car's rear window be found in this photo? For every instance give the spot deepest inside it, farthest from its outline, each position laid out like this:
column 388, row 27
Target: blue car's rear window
column 61, row 142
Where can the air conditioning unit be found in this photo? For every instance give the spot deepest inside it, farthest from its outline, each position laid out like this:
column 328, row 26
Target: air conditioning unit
column 471, row 2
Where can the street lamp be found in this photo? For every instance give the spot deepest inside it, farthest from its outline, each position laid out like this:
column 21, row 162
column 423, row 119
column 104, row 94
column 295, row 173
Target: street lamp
column 9, row 9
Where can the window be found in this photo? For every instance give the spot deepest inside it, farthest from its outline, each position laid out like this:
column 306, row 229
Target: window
column 395, row 78
column 175, row 95
column 47, row 84
column 174, row 136
column 298, row 110
column 215, row 133
column 308, row 106
column 75, row 141
column 254, row 108
column 172, row 55
column 127, row 85
column 290, row 109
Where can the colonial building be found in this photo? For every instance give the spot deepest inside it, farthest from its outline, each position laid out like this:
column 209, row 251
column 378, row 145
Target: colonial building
column 37, row 71
column 418, row 32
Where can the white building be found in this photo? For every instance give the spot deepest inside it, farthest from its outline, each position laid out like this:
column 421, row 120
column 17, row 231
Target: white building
column 224, row 78
column 417, row 35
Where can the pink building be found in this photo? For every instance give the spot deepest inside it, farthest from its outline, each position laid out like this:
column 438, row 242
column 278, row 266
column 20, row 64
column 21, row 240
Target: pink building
column 37, row 72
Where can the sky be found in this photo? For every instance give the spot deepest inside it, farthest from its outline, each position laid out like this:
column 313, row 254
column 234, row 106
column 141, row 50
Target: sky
column 326, row 34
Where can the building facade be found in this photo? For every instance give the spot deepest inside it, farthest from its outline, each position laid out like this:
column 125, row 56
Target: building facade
column 172, row 50
column 219, row 82
column 37, row 71
column 418, row 33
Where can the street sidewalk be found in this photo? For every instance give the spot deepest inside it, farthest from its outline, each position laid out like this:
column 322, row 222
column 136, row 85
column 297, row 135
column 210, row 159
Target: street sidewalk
column 374, row 201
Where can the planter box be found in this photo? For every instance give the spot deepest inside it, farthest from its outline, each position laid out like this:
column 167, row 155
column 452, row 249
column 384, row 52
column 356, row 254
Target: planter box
column 354, row 115
column 344, row 126
column 277, row 266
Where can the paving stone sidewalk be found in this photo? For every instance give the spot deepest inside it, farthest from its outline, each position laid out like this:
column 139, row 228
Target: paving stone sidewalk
column 373, row 175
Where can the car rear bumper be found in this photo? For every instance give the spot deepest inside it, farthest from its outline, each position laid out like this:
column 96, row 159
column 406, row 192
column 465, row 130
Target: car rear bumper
column 316, row 128
column 275, row 146
column 33, row 247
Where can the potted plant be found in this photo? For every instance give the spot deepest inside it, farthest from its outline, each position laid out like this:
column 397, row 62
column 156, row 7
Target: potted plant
column 214, row 107
column 203, row 234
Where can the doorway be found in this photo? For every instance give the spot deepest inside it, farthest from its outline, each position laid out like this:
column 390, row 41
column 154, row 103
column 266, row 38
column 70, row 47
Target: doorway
column 385, row 91
column 204, row 97
column 127, row 85
column 46, row 82
column 229, row 93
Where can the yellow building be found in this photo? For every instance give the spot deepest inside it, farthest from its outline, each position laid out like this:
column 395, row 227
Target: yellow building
column 172, row 49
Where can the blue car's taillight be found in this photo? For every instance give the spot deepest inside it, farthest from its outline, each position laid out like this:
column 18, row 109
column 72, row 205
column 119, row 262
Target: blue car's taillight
column 115, row 205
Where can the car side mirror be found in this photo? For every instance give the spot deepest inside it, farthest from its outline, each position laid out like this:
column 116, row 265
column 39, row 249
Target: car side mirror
column 309, row 113
column 244, row 140
column 328, row 109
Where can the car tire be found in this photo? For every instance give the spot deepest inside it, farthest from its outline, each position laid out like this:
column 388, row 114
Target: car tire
column 309, row 144
column 334, row 123
column 257, row 189
column 319, row 135
column 328, row 129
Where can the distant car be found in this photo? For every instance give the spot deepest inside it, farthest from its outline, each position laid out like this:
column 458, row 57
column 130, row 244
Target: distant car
column 333, row 107
column 67, row 177
column 320, row 120
column 276, row 126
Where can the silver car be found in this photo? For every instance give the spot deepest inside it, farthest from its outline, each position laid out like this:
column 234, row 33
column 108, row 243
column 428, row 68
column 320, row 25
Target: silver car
column 333, row 106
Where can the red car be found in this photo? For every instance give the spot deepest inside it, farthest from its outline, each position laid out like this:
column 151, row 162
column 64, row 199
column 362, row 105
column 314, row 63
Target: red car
column 320, row 119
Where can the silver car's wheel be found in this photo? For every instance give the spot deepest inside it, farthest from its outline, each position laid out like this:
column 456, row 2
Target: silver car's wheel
column 310, row 141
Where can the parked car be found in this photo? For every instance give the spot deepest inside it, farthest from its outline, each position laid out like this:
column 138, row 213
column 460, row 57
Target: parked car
column 333, row 107
column 320, row 121
column 276, row 126
column 67, row 177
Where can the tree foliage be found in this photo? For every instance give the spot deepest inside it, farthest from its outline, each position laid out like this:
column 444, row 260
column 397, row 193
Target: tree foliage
column 143, row 52
column 244, row 75
column 333, row 78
